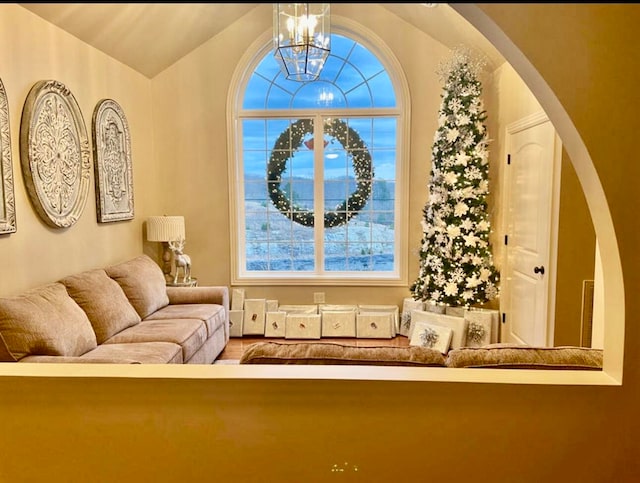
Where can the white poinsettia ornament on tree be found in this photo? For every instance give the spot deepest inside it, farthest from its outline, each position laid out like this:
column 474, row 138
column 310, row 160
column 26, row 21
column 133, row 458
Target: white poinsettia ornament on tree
column 456, row 263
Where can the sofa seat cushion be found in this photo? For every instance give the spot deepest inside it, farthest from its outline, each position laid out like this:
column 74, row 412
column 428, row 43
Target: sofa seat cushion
column 45, row 321
column 77, row 360
column 212, row 315
column 135, row 353
column 104, row 302
column 189, row 334
column 526, row 357
column 141, row 352
column 143, row 283
column 339, row 354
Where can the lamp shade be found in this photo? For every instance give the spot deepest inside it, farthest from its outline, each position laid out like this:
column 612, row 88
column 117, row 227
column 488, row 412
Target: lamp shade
column 165, row 228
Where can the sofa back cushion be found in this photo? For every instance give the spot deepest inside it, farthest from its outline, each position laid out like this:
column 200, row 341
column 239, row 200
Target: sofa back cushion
column 143, row 283
column 506, row 356
column 45, row 321
column 5, row 353
column 340, row 354
column 104, row 302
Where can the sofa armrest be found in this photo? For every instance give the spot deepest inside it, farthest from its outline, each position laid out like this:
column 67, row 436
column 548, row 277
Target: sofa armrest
column 199, row 295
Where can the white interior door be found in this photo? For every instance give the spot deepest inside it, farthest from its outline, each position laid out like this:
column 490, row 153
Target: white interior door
column 531, row 211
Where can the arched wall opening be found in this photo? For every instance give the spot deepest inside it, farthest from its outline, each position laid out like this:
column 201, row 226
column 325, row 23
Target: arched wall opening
column 614, row 301
column 611, row 304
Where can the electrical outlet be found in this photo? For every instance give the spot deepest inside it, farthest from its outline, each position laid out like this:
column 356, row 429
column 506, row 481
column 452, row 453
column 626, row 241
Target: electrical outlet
column 318, row 297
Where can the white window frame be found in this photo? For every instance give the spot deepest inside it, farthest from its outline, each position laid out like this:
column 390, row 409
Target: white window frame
column 235, row 116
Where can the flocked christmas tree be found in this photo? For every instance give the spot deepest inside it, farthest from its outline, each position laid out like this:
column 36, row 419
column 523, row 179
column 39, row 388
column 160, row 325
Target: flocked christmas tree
column 456, row 263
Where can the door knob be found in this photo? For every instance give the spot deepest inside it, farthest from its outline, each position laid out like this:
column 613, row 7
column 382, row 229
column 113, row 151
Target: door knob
column 539, row 270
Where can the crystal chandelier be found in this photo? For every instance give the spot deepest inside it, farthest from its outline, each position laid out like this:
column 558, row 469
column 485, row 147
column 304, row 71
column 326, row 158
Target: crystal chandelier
column 301, row 38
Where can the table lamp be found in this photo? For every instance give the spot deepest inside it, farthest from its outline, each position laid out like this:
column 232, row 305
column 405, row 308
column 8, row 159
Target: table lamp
column 165, row 229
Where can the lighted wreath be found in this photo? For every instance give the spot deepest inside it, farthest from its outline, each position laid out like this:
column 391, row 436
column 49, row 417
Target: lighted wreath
column 286, row 146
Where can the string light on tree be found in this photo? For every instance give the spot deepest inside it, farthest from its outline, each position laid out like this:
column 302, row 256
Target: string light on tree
column 456, row 266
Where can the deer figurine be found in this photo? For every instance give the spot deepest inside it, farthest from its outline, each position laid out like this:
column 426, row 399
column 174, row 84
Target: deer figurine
column 181, row 260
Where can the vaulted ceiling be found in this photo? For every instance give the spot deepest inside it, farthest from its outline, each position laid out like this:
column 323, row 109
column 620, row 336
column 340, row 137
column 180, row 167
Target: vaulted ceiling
column 149, row 37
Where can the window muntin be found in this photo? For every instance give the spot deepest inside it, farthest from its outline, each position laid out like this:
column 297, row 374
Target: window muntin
column 355, row 88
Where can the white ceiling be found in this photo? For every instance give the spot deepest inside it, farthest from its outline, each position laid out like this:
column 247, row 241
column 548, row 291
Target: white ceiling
column 149, row 37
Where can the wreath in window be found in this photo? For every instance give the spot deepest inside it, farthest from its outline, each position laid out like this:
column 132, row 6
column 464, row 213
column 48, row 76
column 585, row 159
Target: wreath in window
column 286, row 146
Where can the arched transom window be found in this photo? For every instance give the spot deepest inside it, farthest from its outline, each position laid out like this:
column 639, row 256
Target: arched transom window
column 317, row 172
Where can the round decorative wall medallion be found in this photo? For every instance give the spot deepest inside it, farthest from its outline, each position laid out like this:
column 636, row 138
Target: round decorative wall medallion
column 54, row 153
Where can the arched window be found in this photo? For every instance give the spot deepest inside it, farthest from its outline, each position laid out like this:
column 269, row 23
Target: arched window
column 329, row 211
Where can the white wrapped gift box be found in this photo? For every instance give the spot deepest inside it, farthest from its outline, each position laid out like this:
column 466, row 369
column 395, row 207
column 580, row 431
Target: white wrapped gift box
column 408, row 305
column 455, row 311
column 302, row 326
column 431, row 336
column 237, row 299
column 275, row 324
column 483, row 314
column 392, row 309
column 483, row 327
column 338, row 323
column 235, row 323
column 299, row 309
column 375, row 325
column 337, row 308
column 254, row 316
column 458, row 325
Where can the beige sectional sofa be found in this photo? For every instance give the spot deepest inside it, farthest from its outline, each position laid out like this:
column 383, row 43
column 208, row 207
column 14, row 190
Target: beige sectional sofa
column 123, row 313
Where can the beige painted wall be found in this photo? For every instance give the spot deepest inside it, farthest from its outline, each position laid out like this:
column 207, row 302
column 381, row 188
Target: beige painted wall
column 32, row 50
column 170, row 430
column 194, row 129
column 576, row 257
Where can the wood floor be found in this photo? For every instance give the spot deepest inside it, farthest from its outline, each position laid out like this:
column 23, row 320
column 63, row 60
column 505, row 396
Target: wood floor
column 237, row 346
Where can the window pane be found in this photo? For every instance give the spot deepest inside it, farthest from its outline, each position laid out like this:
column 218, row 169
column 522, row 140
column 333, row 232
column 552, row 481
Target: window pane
column 256, row 92
column 280, row 256
column 255, row 191
column 363, row 130
column 255, row 163
column 341, row 46
column 256, row 226
column 331, row 68
column 335, row 193
column 367, row 63
column 319, row 94
column 349, row 78
column 268, row 68
column 384, row 164
column 303, row 257
column 382, row 89
column 384, row 133
column 253, row 134
column 335, row 257
column 360, row 97
column 278, row 98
